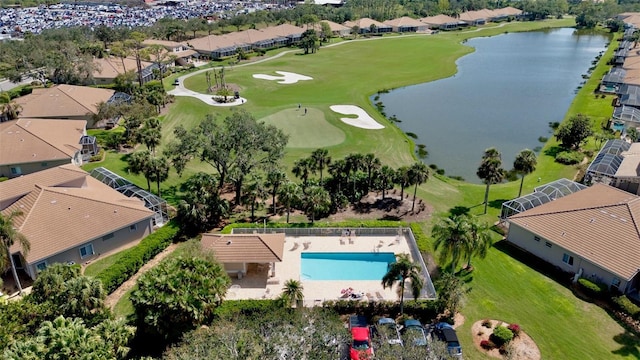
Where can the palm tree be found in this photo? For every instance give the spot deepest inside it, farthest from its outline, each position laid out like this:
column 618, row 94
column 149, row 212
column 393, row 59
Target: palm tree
column 254, row 191
column 275, row 178
column 480, row 240
column 9, row 110
column 385, row 178
column 288, row 195
column 401, row 270
column 452, row 239
column 490, row 171
column 138, row 163
column 150, row 134
column 524, row 164
column 302, row 169
column 418, row 175
column 292, row 292
column 353, row 163
column 317, row 200
column 370, row 163
column 402, row 179
column 338, row 169
column 9, row 236
column 321, row 159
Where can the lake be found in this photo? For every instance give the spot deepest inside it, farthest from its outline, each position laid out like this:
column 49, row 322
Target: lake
column 504, row 95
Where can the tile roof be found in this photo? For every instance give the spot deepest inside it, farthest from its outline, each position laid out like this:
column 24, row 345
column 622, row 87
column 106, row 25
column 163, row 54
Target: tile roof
column 333, row 26
column 57, row 176
column 365, row 23
column 404, row 21
column 507, row 11
column 165, row 43
column 237, row 248
column 39, row 140
column 62, row 101
column 110, row 67
column 59, row 218
column 439, row 20
column 245, row 37
column 600, row 224
column 630, row 166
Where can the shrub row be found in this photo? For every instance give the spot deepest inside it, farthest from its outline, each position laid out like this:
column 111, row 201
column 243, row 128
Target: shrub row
column 231, row 308
column 425, row 310
column 569, row 157
column 591, row 288
column 421, row 239
column 343, row 224
column 132, row 259
column 625, row 305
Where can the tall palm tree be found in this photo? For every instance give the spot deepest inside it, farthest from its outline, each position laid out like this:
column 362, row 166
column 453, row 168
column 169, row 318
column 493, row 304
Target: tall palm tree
column 370, row 163
column 316, row 201
column 150, row 134
column 354, row 163
column 292, row 292
column 385, row 178
column 338, row 169
column 302, row 169
column 321, row 159
column 288, row 195
column 418, row 175
column 9, row 236
column 401, row 270
column 402, row 179
column 480, row 240
column 490, row 171
column 9, row 110
column 524, row 164
column 275, row 178
column 452, row 237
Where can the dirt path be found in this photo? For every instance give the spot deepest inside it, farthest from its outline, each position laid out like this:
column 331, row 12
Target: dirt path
column 114, row 297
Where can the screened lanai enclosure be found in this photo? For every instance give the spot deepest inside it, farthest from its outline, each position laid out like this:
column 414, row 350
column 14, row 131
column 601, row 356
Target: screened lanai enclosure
column 540, row 195
column 125, row 187
column 605, row 165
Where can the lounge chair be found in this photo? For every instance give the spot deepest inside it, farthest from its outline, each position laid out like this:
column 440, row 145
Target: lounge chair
column 306, row 245
column 379, row 296
column 295, row 247
column 341, row 241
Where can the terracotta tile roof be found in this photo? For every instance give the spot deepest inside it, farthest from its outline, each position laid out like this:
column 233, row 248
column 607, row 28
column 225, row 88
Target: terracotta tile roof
column 630, row 166
column 165, row 43
column 39, row 140
column 237, row 248
column 110, row 67
column 59, row 218
column 404, row 21
column 365, row 23
column 439, row 20
column 333, row 26
column 57, row 176
column 600, row 224
column 62, row 101
column 214, row 42
column 508, row 11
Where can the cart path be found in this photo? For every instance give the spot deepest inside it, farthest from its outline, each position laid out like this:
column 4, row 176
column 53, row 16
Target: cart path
column 113, row 298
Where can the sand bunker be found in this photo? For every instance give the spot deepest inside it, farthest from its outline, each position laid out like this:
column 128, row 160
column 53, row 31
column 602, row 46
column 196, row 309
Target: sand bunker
column 363, row 120
column 284, row 78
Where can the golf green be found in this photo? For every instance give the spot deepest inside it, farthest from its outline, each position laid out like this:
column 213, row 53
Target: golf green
column 306, row 127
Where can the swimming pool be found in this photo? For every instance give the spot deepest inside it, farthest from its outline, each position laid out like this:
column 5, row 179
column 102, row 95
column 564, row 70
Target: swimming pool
column 345, row 266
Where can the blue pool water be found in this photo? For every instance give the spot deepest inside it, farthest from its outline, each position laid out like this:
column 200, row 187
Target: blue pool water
column 345, row 266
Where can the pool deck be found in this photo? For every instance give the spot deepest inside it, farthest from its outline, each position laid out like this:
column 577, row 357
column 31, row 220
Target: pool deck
column 258, row 285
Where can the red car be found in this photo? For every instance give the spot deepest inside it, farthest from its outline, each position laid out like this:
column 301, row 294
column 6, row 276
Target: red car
column 361, row 339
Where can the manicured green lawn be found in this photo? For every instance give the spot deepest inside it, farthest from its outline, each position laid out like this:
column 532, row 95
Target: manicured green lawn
column 502, row 287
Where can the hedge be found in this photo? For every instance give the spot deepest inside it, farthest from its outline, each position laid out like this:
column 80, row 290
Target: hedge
column 343, row 224
column 132, row 259
column 591, row 288
column 421, row 239
column 231, row 308
column 625, row 305
column 425, row 310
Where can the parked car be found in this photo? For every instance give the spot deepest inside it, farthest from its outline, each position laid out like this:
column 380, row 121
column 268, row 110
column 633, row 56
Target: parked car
column 176, row 82
column 445, row 332
column 414, row 333
column 387, row 330
column 360, row 338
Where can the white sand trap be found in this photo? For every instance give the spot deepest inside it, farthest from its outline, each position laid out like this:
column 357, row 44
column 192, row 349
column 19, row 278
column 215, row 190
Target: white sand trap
column 363, row 120
column 284, row 78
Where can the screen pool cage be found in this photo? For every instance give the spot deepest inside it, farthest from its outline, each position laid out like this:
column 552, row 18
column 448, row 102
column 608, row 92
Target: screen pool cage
column 541, row 195
column 127, row 188
column 605, row 165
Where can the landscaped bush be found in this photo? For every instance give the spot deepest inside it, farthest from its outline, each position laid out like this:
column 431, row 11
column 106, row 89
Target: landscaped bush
column 425, row 310
column 515, row 329
column 591, row 288
column 501, row 335
column 625, row 305
column 421, row 239
column 487, row 344
column 133, row 259
column 98, row 156
column 569, row 157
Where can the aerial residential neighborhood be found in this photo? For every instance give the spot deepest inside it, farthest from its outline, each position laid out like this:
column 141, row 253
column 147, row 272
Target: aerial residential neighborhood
column 237, row 180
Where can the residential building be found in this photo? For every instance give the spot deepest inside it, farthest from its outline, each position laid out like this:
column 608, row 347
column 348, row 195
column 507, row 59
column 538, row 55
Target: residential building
column 182, row 53
column 407, row 24
column 369, row 26
column 70, row 217
column 108, row 68
column 63, row 101
column 32, row 145
column 617, row 164
column 593, row 233
column 442, row 22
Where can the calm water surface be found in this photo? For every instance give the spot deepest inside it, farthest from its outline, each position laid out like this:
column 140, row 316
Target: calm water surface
column 503, row 95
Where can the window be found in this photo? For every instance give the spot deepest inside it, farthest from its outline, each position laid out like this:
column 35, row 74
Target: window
column 567, row 259
column 547, row 244
column 615, row 282
column 536, row 238
column 15, row 170
column 41, row 266
column 133, row 227
column 44, row 164
column 107, row 237
column 86, row 250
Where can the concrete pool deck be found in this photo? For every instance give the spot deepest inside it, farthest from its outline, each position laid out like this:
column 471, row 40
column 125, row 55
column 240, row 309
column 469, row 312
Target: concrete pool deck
column 258, row 285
